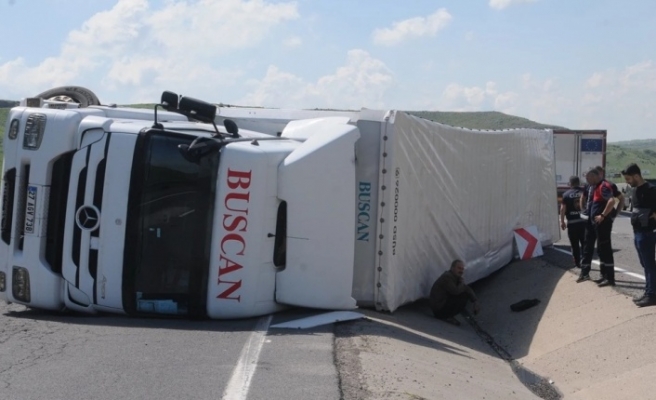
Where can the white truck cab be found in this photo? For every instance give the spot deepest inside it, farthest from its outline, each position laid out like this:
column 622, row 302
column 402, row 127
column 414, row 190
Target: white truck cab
column 108, row 209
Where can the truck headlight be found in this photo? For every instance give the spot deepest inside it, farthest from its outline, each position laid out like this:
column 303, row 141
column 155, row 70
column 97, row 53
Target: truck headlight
column 34, row 128
column 3, row 281
column 13, row 129
column 21, row 284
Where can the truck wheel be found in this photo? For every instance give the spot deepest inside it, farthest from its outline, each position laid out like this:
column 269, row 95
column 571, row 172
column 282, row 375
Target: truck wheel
column 72, row 94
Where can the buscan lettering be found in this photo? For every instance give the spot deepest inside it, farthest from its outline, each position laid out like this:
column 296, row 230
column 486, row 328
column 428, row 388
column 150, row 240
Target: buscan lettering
column 364, row 210
column 233, row 244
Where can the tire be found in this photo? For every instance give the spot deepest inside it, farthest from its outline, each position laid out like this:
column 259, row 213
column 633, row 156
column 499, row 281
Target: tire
column 75, row 94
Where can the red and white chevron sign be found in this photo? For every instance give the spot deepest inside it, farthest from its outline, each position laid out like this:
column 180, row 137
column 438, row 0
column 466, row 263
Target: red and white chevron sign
column 528, row 242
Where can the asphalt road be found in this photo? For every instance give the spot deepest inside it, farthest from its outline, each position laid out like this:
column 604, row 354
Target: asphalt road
column 629, row 274
column 53, row 356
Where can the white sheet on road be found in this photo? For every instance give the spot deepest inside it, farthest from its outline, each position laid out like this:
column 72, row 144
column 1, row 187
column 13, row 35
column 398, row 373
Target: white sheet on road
column 321, row 319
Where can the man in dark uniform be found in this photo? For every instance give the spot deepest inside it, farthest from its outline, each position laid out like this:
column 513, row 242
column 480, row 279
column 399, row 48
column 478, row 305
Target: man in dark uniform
column 449, row 294
column 570, row 208
column 587, row 199
column 598, row 230
column 643, row 220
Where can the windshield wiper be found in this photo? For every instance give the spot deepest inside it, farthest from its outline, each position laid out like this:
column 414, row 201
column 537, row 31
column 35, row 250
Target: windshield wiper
column 198, row 149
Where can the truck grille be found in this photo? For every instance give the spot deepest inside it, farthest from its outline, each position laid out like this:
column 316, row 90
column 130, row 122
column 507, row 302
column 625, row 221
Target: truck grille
column 77, row 232
column 57, row 211
column 91, row 174
column 22, row 204
column 8, row 191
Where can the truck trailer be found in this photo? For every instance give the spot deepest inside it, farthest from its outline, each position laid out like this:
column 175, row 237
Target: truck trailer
column 189, row 210
column 576, row 152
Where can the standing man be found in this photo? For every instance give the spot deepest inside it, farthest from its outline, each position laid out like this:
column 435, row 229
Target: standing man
column 587, row 198
column 449, row 294
column 570, row 208
column 598, row 230
column 643, row 220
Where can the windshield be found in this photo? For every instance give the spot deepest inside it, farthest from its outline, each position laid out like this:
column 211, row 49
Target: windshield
column 169, row 227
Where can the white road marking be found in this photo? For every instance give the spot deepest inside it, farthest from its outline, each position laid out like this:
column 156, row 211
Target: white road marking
column 618, row 269
column 240, row 381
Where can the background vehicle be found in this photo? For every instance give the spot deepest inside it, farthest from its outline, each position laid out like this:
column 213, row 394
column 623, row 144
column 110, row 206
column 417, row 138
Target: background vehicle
column 576, row 152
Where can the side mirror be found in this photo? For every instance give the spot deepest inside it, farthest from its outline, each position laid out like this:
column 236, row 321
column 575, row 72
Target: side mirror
column 169, row 100
column 197, row 109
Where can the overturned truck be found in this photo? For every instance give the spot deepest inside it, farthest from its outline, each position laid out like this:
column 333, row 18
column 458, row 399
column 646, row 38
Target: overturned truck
column 196, row 211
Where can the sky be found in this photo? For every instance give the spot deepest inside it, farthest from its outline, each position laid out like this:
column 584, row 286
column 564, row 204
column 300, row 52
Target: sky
column 583, row 64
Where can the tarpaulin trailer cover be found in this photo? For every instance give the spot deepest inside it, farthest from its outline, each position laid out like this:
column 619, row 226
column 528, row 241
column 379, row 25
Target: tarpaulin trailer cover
column 438, row 193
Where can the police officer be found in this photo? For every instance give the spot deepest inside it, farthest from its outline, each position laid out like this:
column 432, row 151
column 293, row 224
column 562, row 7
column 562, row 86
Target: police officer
column 570, row 209
column 598, row 230
column 586, row 200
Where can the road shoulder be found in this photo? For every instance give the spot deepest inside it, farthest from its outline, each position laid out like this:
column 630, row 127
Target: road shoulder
column 589, row 342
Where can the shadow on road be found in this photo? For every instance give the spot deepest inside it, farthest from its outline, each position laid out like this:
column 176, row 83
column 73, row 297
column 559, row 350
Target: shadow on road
column 521, row 280
column 414, row 323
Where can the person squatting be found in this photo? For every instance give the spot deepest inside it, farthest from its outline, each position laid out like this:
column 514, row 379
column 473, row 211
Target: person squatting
column 449, row 294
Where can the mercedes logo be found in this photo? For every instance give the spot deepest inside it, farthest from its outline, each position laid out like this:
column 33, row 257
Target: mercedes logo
column 87, row 218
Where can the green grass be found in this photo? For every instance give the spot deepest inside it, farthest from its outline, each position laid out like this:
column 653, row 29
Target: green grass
column 643, row 144
column 139, row 106
column 620, row 154
column 4, row 112
column 481, row 120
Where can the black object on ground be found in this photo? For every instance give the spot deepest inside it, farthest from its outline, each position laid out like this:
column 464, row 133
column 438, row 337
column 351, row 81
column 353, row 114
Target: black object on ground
column 524, row 304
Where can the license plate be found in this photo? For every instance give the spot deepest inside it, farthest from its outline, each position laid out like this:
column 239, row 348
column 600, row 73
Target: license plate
column 30, row 209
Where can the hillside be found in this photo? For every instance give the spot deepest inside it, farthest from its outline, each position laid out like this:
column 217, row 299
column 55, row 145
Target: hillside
column 5, row 105
column 481, row 120
column 645, row 144
column 3, row 120
column 471, row 120
column 619, row 154
column 8, row 103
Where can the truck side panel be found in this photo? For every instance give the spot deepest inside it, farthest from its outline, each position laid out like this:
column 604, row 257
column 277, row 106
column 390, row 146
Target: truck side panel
column 367, row 187
column 317, row 180
column 242, row 272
